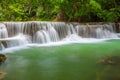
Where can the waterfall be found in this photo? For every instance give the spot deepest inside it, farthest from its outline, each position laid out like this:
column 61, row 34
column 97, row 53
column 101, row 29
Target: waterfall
column 34, row 32
column 106, row 31
column 41, row 37
column 52, row 33
column 18, row 40
column 3, row 31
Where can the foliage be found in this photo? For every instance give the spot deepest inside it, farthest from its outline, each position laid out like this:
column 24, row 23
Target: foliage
column 74, row 10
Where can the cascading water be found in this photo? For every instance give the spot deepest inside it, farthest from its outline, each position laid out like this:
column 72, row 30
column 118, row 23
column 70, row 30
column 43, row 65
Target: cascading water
column 41, row 37
column 52, row 33
column 106, row 31
column 3, row 31
column 25, row 33
column 18, row 40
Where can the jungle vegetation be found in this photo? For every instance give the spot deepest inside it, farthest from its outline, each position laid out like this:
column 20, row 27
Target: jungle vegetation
column 60, row 10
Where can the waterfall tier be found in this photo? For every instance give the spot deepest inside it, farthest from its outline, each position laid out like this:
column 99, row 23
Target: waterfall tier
column 22, row 33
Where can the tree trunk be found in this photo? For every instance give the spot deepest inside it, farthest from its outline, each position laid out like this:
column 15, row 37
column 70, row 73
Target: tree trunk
column 117, row 27
column 61, row 16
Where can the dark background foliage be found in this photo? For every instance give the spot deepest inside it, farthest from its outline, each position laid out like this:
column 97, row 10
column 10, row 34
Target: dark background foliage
column 60, row 10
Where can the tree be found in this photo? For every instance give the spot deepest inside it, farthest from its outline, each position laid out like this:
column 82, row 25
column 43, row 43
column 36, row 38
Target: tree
column 62, row 10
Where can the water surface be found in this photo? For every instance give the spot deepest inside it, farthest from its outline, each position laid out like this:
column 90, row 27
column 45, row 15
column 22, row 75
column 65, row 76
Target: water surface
column 67, row 62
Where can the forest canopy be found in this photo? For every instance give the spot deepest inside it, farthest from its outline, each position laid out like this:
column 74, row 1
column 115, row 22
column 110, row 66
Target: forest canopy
column 60, row 10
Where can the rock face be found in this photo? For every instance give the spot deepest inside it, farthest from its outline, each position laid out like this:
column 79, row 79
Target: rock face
column 2, row 58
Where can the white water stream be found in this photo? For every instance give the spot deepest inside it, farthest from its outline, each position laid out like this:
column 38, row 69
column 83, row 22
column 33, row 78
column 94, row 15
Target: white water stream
column 21, row 35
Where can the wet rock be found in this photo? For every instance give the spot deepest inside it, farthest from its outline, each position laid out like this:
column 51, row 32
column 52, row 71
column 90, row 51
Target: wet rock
column 2, row 58
column 111, row 60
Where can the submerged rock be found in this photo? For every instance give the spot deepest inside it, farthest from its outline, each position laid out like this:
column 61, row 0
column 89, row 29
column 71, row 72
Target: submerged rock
column 108, row 68
column 2, row 58
column 111, row 60
column 2, row 75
